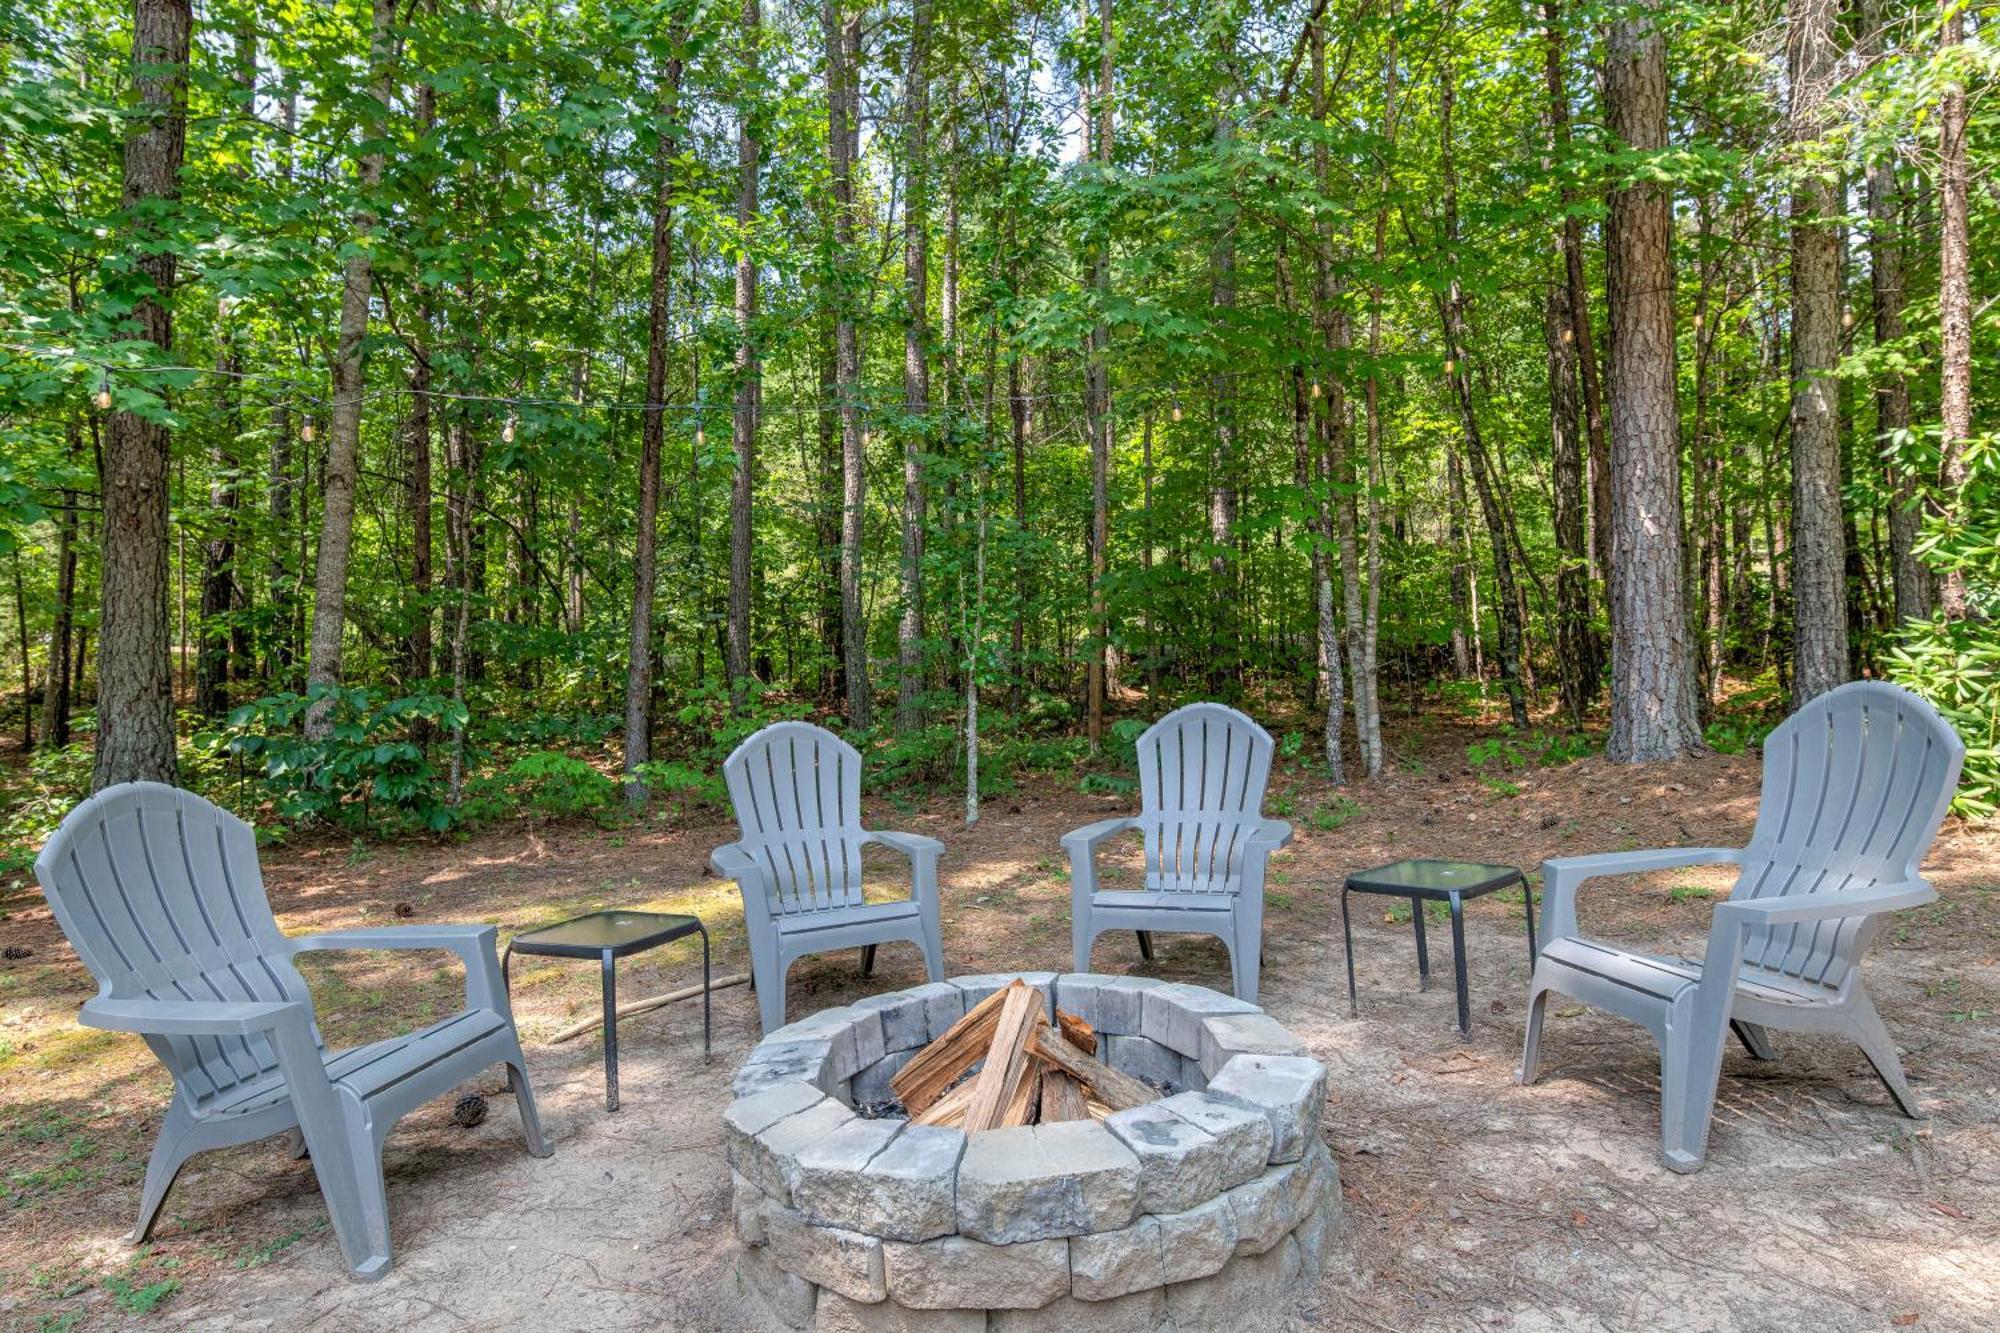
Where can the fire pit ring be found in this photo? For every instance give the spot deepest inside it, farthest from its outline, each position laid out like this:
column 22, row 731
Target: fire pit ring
column 1202, row 1210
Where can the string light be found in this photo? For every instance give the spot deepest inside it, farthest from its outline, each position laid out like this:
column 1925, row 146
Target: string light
column 306, row 432
column 1315, row 388
column 103, row 391
column 700, row 435
column 1177, row 409
column 1450, row 366
column 507, row 431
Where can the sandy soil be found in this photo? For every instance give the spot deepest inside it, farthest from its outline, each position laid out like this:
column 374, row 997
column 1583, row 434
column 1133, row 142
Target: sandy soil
column 1471, row 1203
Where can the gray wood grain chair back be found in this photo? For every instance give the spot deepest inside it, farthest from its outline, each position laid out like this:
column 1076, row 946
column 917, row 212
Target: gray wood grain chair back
column 1856, row 784
column 796, row 789
column 1202, row 773
column 160, row 893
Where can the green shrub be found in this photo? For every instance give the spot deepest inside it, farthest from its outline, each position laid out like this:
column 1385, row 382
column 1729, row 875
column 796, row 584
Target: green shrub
column 370, row 765
column 1956, row 665
column 550, row 782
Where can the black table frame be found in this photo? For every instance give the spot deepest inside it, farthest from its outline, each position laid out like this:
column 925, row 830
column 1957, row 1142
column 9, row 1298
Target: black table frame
column 1502, row 877
column 674, row 926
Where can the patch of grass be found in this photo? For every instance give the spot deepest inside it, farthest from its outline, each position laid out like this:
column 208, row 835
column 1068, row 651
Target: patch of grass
column 1399, row 912
column 1329, row 817
column 1684, row 893
column 1967, row 1015
column 1279, row 900
column 1282, row 805
column 1501, row 787
column 259, row 1255
column 135, row 1299
column 59, row 1323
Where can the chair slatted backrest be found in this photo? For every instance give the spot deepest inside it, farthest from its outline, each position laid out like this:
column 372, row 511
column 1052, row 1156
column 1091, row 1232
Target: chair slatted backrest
column 1856, row 784
column 797, row 792
column 160, row 893
column 1202, row 770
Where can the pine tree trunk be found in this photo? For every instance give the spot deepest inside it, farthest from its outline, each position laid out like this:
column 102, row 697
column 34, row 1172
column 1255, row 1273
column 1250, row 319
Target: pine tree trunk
column 916, row 369
column 652, row 439
column 135, row 734
column 1566, row 450
column 62, row 626
column 843, row 58
column 1226, row 658
column 1954, row 299
column 1097, row 393
column 1819, row 589
column 343, row 450
column 749, row 375
column 1653, row 710
column 1912, row 582
column 1367, row 678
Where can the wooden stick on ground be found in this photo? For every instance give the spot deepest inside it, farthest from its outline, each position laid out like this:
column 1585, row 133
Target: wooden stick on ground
column 1116, row 1090
column 649, row 1003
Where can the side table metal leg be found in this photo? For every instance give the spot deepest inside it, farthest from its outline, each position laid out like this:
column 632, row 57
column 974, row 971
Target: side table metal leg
column 610, row 1032
column 706, row 1027
column 1347, row 933
column 506, row 962
column 1458, row 965
column 1528, row 897
column 1423, row 948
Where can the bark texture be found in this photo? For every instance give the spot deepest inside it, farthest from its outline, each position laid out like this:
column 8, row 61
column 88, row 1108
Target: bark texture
column 749, row 375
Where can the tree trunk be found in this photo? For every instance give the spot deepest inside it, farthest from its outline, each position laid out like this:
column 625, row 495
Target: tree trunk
column 62, row 626
column 1819, row 589
column 1653, row 710
column 1954, row 299
column 652, row 438
column 343, row 451
column 749, row 375
column 1225, row 665
column 843, row 59
column 1566, row 446
column 1367, row 678
column 1913, row 585
column 1097, row 392
column 916, row 369
column 135, row 734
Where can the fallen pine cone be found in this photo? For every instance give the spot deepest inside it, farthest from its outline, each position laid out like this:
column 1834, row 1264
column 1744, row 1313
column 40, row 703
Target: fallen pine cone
column 469, row 1110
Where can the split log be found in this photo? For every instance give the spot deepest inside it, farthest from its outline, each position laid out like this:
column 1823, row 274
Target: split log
column 1021, row 1022
column 948, row 1111
column 1062, row 1098
column 1077, row 1032
column 932, row 1070
column 1118, row 1091
column 1027, row 1098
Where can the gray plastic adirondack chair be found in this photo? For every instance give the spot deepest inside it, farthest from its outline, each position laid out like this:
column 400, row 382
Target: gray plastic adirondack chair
column 1202, row 770
column 160, row 894
column 1855, row 786
column 797, row 793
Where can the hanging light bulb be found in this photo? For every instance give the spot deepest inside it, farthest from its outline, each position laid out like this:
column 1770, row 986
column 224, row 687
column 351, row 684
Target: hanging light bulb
column 700, row 435
column 1568, row 334
column 1177, row 409
column 1450, row 366
column 103, row 392
column 306, row 432
column 1315, row 388
column 507, row 431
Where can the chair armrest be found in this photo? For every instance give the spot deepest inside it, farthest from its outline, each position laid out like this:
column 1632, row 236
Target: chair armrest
column 731, row 862
column 1085, row 840
column 1563, row 875
column 1274, row 835
column 474, row 945
column 1787, row 909
column 189, row 1018
column 908, row 844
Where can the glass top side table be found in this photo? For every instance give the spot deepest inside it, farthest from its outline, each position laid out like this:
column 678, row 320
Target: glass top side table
column 609, row 936
column 1422, row 881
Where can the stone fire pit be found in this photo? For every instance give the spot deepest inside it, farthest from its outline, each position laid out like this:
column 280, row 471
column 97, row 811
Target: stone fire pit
column 1202, row 1210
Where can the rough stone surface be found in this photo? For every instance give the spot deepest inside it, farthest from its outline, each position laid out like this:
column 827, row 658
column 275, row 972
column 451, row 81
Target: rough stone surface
column 837, row 1314
column 789, row 1297
column 749, row 1206
column 1112, row 1005
column 831, row 1257
column 1141, row 1312
column 1313, row 1232
column 1266, row 1208
column 1180, row 1163
column 872, row 1084
column 1229, row 1301
column 1174, row 1013
column 769, row 1158
column 1116, row 1263
column 977, row 988
column 953, row 1272
column 1197, row 1242
column 905, row 1188
column 776, row 1063
column 1226, row 1036
column 1041, row 1181
column 1289, row 1090
column 1242, row 1132
column 1142, row 1057
column 905, row 1018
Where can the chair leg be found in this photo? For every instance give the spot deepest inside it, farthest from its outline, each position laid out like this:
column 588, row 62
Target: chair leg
column 524, row 1098
column 1246, row 957
column 770, row 993
column 867, row 960
column 1865, row 1026
column 933, row 947
column 295, row 1144
column 1690, row 1066
column 1531, row 1048
column 1756, row 1039
column 1081, row 935
column 368, row 1198
column 1145, row 944
column 170, row 1151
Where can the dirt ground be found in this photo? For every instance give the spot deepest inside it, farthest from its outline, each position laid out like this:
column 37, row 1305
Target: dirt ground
column 1471, row 1203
